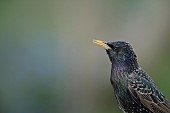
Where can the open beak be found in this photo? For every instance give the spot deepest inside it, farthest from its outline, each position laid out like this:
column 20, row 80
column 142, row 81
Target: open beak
column 102, row 44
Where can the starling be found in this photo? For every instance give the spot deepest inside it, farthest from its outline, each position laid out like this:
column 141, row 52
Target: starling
column 134, row 90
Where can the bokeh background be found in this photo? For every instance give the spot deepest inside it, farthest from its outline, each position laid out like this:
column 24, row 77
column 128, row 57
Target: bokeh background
column 48, row 63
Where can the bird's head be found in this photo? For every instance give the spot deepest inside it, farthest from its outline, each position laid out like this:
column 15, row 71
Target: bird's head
column 118, row 52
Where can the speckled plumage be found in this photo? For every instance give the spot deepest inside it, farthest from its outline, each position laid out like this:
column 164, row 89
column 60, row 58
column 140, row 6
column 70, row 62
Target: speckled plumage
column 135, row 91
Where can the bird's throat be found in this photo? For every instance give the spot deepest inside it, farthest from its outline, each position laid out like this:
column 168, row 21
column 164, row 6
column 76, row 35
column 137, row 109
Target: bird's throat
column 120, row 71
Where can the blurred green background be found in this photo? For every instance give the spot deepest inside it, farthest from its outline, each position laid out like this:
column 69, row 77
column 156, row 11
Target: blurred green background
column 50, row 65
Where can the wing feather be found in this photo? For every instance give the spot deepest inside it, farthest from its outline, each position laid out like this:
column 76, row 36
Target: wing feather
column 142, row 89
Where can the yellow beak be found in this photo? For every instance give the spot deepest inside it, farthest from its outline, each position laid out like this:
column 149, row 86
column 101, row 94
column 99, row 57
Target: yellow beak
column 102, row 44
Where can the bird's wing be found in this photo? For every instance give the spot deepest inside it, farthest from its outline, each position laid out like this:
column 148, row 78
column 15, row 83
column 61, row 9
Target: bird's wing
column 143, row 90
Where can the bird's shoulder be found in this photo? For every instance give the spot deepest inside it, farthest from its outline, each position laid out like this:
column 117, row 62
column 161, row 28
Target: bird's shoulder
column 143, row 90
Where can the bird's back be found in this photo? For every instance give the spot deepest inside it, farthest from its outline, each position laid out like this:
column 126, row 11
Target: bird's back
column 143, row 90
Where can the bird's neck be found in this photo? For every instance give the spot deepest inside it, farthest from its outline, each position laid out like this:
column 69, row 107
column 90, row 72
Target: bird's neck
column 124, row 67
column 128, row 65
column 121, row 70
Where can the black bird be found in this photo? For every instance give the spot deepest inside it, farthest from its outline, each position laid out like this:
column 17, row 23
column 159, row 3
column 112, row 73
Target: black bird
column 135, row 91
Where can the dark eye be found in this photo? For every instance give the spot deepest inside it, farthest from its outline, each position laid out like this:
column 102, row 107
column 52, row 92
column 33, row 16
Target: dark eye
column 117, row 49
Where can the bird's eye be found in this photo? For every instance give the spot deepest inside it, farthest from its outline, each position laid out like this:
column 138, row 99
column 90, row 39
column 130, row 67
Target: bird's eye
column 118, row 50
column 115, row 49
